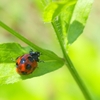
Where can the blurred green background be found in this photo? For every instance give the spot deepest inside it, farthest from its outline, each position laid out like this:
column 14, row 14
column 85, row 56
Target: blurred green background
column 25, row 16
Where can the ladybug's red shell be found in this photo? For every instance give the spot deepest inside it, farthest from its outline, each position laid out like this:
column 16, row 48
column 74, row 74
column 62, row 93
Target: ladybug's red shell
column 25, row 64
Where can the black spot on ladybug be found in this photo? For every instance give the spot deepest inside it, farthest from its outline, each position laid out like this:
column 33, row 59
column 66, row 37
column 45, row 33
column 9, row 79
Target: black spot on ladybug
column 31, row 59
column 22, row 61
column 28, row 66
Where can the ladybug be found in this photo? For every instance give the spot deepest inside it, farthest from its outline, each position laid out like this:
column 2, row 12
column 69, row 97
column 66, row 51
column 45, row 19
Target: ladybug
column 27, row 63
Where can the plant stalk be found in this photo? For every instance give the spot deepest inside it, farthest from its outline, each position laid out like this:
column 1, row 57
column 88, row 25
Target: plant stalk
column 71, row 67
column 16, row 34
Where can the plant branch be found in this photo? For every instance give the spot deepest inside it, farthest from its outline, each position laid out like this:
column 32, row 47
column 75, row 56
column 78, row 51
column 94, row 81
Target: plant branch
column 71, row 67
column 29, row 42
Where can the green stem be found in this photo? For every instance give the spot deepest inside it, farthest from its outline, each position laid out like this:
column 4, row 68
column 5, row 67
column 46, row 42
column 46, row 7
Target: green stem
column 29, row 42
column 71, row 67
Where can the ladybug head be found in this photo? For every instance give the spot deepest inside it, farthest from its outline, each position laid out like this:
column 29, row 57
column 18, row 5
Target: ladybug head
column 35, row 55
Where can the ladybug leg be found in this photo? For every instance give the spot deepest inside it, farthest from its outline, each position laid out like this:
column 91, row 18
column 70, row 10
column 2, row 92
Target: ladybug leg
column 16, row 64
column 41, row 61
column 31, row 50
column 17, row 58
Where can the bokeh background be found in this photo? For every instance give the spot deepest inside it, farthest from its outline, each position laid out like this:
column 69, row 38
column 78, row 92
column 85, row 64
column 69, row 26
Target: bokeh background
column 25, row 16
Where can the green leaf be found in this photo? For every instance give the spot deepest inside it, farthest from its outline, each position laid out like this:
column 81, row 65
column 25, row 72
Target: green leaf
column 75, row 29
column 8, row 54
column 69, row 18
column 78, row 20
column 54, row 9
